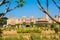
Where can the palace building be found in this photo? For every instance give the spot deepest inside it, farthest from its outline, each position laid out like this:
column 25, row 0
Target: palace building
column 28, row 21
column 31, row 19
column 14, row 21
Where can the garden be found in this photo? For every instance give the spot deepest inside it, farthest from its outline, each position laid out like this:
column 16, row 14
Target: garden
column 30, row 33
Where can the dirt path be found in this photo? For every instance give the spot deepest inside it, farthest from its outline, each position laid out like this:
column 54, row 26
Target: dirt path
column 10, row 33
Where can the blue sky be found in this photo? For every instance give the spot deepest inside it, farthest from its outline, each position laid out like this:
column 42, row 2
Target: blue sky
column 30, row 9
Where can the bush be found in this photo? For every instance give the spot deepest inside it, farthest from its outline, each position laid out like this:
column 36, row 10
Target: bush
column 1, row 32
column 53, row 25
column 54, row 38
column 18, row 30
column 56, row 30
column 35, row 37
column 28, row 30
column 59, row 29
column 44, row 28
column 22, row 30
column 21, row 38
column 1, row 38
column 38, row 30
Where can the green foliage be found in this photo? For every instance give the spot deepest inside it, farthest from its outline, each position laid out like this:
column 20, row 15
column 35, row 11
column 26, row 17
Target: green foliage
column 44, row 28
column 21, row 31
column 32, row 24
column 24, row 24
column 56, row 30
column 53, row 25
column 54, row 38
column 41, row 24
column 17, row 25
column 38, row 30
column 1, row 38
column 29, row 30
column 1, row 32
column 1, row 14
column 21, row 4
column 1, row 22
column 22, row 38
column 35, row 37
column 14, row 38
column 59, row 29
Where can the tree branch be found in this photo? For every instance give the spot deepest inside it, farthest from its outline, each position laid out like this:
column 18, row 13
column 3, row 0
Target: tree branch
column 2, row 2
column 47, row 4
column 56, row 4
column 46, row 12
column 7, row 9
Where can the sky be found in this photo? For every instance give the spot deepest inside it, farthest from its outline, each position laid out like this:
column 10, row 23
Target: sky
column 30, row 8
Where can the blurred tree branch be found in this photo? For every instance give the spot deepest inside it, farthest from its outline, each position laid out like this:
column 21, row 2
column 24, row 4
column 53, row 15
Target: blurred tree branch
column 46, row 11
column 8, row 2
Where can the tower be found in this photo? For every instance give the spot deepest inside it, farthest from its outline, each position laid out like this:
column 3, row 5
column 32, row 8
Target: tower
column 24, row 18
column 32, row 18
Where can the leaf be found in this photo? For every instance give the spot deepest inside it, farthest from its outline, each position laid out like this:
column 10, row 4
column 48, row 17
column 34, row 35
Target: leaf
column 21, row 4
column 1, row 14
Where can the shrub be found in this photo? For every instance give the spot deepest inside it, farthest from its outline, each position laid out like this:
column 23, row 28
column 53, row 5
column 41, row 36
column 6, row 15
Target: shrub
column 1, row 32
column 38, row 30
column 54, row 38
column 44, row 28
column 31, row 24
column 28, row 30
column 53, row 25
column 18, row 30
column 22, row 30
column 59, row 29
column 22, row 38
column 1, row 38
column 35, row 37
column 56, row 30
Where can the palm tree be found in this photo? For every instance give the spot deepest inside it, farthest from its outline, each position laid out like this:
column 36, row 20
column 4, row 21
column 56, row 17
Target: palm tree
column 46, row 11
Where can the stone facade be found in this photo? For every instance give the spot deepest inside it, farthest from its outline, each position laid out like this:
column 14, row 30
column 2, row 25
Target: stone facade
column 20, row 21
column 14, row 21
